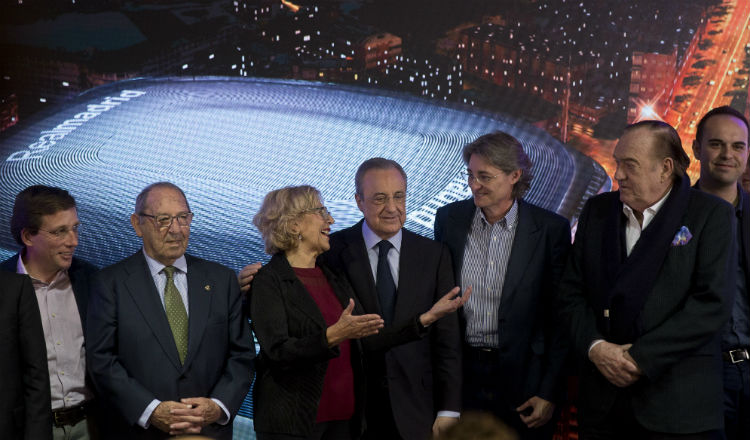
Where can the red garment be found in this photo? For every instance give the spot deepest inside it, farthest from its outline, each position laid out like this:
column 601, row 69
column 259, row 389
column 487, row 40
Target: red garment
column 337, row 399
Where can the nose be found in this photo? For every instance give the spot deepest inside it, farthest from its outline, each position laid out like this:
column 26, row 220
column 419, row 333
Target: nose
column 174, row 227
column 619, row 174
column 71, row 239
column 331, row 220
column 474, row 184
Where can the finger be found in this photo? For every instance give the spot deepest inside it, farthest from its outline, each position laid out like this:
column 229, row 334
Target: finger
column 349, row 308
column 466, row 295
column 452, row 293
column 524, row 405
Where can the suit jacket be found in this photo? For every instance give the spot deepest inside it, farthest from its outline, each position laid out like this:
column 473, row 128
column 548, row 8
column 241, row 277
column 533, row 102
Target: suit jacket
column 25, row 411
column 423, row 368
column 80, row 274
column 532, row 347
column 131, row 352
column 678, row 347
column 294, row 350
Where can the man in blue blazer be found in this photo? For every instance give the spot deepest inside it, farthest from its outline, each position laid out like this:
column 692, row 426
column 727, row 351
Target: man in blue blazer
column 646, row 293
column 168, row 347
column 512, row 253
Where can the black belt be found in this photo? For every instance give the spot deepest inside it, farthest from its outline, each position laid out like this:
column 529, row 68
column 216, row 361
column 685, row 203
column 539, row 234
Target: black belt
column 736, row 356
column 481, row 354
column 69, row 416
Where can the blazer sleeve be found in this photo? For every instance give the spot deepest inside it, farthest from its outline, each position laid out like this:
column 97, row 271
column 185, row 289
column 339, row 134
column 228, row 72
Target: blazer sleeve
column 707, row 303
column 446, row 343
column 271, row 316
column 552, row 382
column 107, row 372
column 577, row 316
column 239, row 369
column 34, row 365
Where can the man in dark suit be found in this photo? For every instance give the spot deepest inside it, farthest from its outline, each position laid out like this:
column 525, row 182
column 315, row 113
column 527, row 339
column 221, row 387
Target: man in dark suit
column 25, row 405
column 414, row 364
column 168, row 346
column 45, row 223
column 512, row 253
column 721, row 145
column 645, row 295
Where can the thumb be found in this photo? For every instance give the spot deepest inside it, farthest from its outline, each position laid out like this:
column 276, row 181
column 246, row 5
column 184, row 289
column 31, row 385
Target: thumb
column 349, row 308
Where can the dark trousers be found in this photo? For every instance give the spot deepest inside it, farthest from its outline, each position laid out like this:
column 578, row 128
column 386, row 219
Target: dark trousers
column 334, row 430
column 737, row 400
column 620, row 424
column 379, row 413
column 482, row 391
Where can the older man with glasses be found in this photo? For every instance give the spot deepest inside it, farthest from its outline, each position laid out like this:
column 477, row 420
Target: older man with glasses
column 168, row 347
column 45, row 224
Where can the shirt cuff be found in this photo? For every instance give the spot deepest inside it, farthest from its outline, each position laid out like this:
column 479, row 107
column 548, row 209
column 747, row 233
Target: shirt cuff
column 594, row 344
column 143, row 421
column 224, row 419
column 452, row 414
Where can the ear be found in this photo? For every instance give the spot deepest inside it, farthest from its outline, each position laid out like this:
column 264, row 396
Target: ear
column 696, row 149
column 667, row 167
column 136, row 222
column 26, row 237
column 294, row 227
column 360, row 202
column 515, row 176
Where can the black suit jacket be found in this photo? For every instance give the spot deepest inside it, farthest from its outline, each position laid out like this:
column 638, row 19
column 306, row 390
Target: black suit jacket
column 678, row 348
column 423, row 370
column 532, row 346
column 80, row 274
column 294, row 350
column 131, row 352
column 25, row 411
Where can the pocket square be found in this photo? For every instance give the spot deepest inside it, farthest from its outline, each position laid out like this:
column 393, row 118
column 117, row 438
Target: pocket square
column 682, row 237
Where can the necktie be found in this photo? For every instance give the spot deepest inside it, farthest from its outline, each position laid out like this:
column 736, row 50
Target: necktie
column 176, row 313
column 384, row 283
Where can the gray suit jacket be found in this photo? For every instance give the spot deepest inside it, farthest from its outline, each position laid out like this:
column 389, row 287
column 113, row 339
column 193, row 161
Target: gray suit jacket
column 131, row 352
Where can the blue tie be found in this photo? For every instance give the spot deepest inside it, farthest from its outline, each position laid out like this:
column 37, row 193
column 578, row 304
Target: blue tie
column 384, row 283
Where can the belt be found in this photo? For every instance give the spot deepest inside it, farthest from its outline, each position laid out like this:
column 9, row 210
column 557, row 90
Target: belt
column 736, row 356
column 481, row 354
column 69, row 416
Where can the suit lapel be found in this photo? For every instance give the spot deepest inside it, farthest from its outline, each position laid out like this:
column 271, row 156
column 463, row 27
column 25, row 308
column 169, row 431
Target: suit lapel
column 200, row 291
column 142, row 289
column 357, row 265
column 524, row 245
column 410, row 264
column 458, row 231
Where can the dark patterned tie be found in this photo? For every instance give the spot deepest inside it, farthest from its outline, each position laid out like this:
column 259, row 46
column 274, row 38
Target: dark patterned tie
column 176, row 313
column 384, row 283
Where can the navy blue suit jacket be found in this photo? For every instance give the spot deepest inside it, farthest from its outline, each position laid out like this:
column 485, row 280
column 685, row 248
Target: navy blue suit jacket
column 131, row 352
column 532, row 347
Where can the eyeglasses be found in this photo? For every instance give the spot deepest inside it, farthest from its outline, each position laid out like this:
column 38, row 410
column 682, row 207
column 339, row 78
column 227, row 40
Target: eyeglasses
column 164, row 221
column 483, row 179
column 382, row 199
column 322, row 211
column 60, row 234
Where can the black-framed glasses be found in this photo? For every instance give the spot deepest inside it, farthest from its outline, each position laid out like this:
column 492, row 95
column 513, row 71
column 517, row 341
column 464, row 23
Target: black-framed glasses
column 483, row 179
column 60, row 234
column 163, row 221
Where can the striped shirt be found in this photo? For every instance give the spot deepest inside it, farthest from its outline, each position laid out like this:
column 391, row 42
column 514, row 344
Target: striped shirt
column 486, row 259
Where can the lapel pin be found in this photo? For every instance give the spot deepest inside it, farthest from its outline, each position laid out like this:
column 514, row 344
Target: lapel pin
column 207, row 287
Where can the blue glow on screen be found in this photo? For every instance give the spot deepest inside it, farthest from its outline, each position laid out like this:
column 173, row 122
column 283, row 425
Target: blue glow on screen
column 227, row 142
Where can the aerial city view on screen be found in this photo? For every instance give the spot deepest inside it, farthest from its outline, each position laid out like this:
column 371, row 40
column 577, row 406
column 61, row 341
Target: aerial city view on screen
column 230, row 99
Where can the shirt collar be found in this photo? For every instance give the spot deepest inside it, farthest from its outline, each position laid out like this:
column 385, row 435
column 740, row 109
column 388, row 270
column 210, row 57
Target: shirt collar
column 20, row 268
column 648, row 213
column 510, row 219
column 156, row 267
column 372, row 239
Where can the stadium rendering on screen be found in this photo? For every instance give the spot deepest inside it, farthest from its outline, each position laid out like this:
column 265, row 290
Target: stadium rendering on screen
column 227, row 142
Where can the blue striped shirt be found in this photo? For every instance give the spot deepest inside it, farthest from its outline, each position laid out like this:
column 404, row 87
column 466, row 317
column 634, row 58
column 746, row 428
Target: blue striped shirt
column 485, row 262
